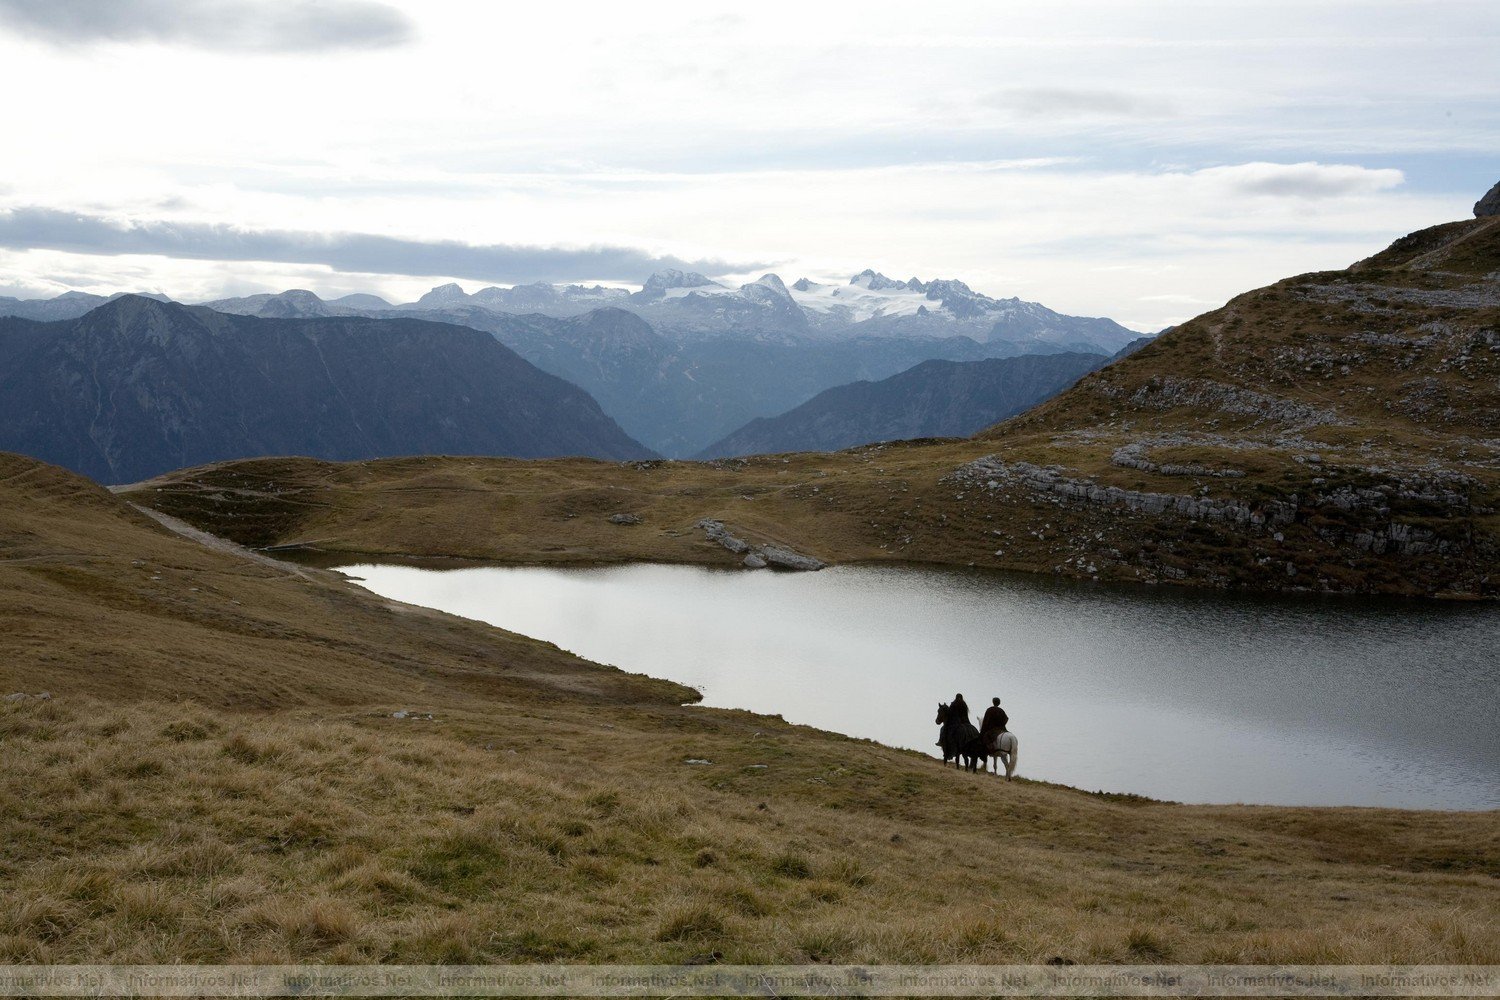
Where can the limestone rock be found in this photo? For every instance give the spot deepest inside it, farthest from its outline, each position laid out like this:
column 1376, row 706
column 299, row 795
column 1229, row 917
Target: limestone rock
column 716, row 532
column 784, row 558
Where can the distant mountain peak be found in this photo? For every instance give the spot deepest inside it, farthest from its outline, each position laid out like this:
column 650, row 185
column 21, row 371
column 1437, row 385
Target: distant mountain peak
column 772, row 281
column 942, row 288
column 449, row 294
column 673, row 278
column 131, row 304
column 139, row 313
column 875, row 281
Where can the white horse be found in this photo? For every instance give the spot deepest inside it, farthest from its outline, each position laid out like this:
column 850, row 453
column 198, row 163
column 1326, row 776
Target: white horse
column 1006, row 749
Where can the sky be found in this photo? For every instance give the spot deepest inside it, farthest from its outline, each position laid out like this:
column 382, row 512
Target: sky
column 1140, row 161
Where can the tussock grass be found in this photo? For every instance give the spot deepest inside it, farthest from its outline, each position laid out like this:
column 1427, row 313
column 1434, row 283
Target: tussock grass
column 351, row 836
column 219, row 778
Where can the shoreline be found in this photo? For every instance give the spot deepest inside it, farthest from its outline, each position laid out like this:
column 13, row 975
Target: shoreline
column 345, row 570
column 320, row 557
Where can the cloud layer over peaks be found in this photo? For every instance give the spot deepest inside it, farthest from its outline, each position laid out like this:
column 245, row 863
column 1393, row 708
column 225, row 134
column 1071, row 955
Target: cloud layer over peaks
column 51, row 229
column 227, row 25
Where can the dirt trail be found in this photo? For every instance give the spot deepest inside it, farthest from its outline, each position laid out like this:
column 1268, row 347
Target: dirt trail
column 223, row 545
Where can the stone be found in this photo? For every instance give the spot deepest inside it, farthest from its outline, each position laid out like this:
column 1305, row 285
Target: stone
column 624, row 519
column 716, row 532
column 784, row 558
column 755, row 561
column 1489, row 205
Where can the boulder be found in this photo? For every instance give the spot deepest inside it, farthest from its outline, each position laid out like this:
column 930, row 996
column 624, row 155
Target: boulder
column 755, row 561
column 716, row 532
column 783, row 558
column 624, row 519
column 1489, row 205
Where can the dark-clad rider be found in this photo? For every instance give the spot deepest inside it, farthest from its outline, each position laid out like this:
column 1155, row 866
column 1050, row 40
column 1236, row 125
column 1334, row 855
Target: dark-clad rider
column 995, row 721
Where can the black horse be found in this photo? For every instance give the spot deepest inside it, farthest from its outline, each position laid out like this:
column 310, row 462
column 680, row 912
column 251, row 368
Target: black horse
column 960, row 741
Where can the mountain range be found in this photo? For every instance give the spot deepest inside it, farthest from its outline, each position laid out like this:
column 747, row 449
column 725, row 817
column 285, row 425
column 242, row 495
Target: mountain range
column 137, row 387
column 932, row 399
column 684, row 305
column 685, row 361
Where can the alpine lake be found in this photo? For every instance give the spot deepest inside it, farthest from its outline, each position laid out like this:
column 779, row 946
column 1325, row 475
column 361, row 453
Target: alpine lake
column 1164, row 692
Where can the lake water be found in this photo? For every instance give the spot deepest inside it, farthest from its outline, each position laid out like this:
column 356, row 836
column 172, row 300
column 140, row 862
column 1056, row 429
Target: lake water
column 1175, row 694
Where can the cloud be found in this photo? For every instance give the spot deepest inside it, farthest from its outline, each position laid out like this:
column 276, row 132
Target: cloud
column 1061, row 102
column 231, row 25
column 50, row 229
column 1303, row 180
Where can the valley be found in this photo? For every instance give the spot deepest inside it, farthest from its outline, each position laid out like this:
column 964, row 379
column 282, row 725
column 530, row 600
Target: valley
column 1333, row 432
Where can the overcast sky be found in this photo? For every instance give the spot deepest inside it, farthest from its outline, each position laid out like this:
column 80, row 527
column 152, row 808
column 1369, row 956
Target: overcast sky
column 1141, row 161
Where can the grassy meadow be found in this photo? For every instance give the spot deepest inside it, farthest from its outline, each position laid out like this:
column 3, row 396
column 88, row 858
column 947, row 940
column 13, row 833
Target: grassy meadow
column 219, row 776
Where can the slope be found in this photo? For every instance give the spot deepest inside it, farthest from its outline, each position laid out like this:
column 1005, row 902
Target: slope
column 137, row 387
column 932, row 399
column 241, row 762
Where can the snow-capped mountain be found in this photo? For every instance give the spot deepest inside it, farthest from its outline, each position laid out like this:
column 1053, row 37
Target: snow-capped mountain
column 685, row 305
column 868, row 295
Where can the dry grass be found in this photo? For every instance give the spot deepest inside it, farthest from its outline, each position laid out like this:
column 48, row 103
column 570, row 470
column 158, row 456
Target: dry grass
column 97, row 598
column 162, row 833
column 219, row 778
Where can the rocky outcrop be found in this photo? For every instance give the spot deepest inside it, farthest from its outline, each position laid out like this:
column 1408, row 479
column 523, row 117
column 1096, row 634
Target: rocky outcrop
column 1170, row 392
column 992, row 473
column 1374, row 525
column 1133, row 456
column 1488, row 205
column 758, row 556
column 716, row 532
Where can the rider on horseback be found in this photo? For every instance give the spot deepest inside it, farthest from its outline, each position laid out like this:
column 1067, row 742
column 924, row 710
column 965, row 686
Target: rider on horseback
column 995, row 721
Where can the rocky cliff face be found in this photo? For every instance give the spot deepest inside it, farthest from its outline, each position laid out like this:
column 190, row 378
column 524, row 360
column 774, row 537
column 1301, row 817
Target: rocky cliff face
column 138, row 387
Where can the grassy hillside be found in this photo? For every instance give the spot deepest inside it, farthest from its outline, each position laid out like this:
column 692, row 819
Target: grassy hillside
column 219, row 775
